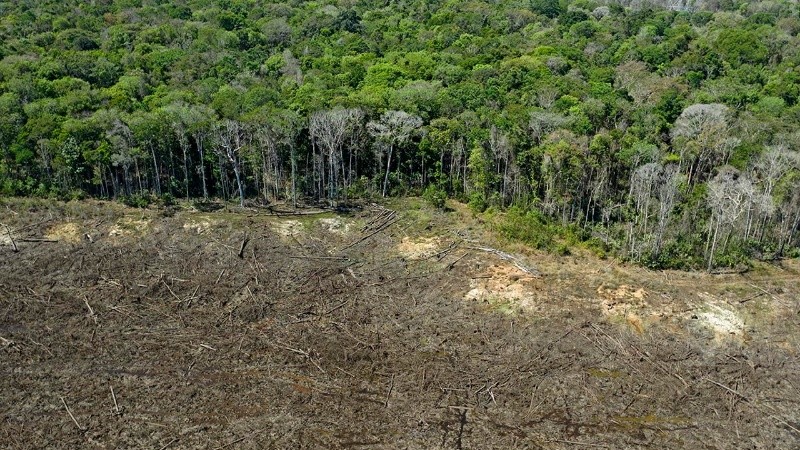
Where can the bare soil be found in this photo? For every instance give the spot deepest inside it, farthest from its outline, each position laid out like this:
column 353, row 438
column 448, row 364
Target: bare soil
column 381, row 328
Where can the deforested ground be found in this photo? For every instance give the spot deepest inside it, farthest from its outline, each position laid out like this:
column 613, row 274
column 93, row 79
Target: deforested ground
column 394, row 326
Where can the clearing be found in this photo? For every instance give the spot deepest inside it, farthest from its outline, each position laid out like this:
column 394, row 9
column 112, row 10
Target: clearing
column 393, row 326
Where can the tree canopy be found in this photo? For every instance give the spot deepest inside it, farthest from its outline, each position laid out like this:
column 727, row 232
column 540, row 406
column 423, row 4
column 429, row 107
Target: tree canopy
column 666, row 132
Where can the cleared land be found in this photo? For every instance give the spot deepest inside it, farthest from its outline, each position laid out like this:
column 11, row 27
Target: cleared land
column 383, row 327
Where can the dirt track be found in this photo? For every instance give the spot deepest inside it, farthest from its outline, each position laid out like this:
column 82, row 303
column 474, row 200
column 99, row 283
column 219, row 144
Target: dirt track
column 373, row 330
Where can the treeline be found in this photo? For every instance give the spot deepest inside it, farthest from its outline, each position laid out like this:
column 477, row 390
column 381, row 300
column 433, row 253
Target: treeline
column 667, row 134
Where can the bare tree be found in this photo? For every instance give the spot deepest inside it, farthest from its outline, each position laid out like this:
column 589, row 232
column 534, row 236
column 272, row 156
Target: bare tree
column 180, row 118
column 546, row 97
column 729, row 196
column 668, row 188
column 329, row 130
column 291, row 67
column 543, row 122
column 393, row 129
column 231, row 139
column 121, row 140
column 770, row 166
column 501, row 148
column 702, row 133
column 274, row 133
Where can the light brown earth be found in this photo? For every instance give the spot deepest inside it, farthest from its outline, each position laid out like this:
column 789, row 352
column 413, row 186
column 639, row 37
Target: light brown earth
column 328, row 334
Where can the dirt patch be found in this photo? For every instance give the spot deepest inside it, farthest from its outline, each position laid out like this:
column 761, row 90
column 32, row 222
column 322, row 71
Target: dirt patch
column 720, row 317
column 5, row 239
column 288, row 227
column 621, row 299
column 199, row 225
column 128, row 226
column 335, row 225
column 504, row 286
column 67, row 232
column 418, row 248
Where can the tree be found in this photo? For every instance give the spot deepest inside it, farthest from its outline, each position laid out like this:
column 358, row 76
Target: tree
column 543, row 122
column 702, row 132
column 329, row 130
column 729, row 196
column 231, row 140
column 393, row 129
column 274, row 131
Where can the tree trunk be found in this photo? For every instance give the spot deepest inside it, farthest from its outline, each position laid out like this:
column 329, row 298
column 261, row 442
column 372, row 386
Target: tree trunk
column 155, row 168
column 199, row 139
column 237, row 171
column 185, row 170
column 388, row 165
column 713, row 248
column 293, row 156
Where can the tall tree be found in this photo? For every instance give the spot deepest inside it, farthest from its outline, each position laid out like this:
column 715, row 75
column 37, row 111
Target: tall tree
column 394, row 129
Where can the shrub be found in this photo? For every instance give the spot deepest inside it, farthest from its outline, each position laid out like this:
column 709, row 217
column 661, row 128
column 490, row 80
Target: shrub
column 435, row 196
column 528, row 227
column 136, row 200
column 477, row 202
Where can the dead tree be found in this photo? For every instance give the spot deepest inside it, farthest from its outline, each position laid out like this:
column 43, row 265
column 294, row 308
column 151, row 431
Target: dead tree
column 702, row 134
column 329, row 129
column 393, row 129
column 729, row 196
column 231, row 139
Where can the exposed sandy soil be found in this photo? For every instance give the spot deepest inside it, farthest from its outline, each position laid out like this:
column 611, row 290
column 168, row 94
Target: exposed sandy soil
column 374, row 329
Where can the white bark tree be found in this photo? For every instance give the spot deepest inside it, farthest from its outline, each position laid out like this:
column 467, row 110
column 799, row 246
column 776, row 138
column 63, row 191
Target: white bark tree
column 394, row 129
column 730, row 194
column 702, row 132
column 329, row 131
column 543, row 122
column 231, row 140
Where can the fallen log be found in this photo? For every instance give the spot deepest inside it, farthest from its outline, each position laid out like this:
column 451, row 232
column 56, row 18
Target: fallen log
column 509, row 257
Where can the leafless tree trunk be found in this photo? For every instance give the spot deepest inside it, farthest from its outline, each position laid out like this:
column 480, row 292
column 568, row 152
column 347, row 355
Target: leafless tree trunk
column 231, row 135
column 394, row 128
column 329, row 130
column 729, row 196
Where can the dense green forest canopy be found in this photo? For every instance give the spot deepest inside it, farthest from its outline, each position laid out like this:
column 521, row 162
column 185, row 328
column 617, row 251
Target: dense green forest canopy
column 667, row 133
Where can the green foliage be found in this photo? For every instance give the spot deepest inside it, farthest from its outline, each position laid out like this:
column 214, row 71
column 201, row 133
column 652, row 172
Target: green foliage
column 739, row 46
column 558, row 104
column 529, row 227
column 435, row 196
column 477, row 202
column 137, row 200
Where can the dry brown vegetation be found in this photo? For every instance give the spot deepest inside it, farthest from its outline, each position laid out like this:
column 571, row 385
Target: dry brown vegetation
column 381, row 328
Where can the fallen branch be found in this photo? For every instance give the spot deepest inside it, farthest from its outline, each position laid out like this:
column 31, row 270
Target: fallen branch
column 444, row 252
column 742, row 396
column 168, row 444
column 233, row 442
column 586, row 444
column 338, row 258
column 378, row 230
column 763, row 292
column 509, row 257
column 51, row 241
column 70, row 414
column 13, row 244
column 306, row 354
column 91, row 311
column 389, row 394
column 453, row 264
column 116, row 406
column 244, row 243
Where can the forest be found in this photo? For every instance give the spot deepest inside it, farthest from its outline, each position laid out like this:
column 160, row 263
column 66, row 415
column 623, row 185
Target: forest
column 664, row 133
